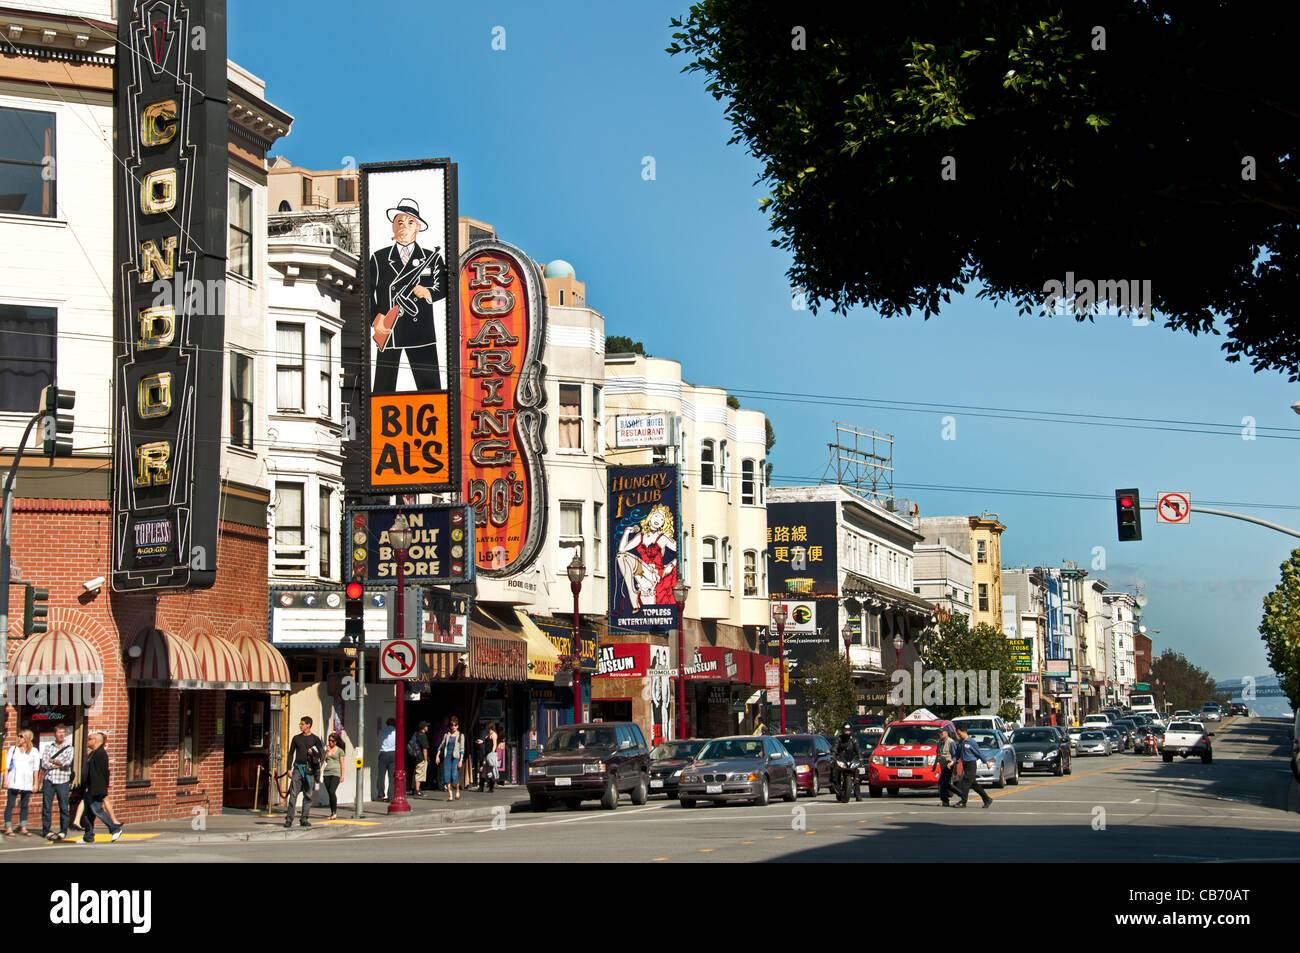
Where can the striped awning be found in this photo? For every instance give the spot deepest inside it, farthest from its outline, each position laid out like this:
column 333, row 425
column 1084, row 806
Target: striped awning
column 56, row 658
column 158, row 659
column 264, row 666
column 219, row 661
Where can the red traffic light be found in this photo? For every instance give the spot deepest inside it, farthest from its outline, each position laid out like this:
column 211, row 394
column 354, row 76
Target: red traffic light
column 355, row 590
column 1126, row 501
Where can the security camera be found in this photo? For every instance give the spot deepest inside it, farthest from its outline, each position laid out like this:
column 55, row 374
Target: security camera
column 93, row 585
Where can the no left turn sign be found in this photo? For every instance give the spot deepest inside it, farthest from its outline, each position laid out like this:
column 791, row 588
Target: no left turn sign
column 398, row 660
column 1174, row 507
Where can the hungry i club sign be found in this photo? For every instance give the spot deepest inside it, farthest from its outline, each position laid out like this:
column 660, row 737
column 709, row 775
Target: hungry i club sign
column 502, row 328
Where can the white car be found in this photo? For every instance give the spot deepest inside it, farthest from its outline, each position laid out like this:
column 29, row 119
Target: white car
column 1186, row 739
column 985, row 722
column 1096, row 721
column 1093, row 741
column 1211, row 712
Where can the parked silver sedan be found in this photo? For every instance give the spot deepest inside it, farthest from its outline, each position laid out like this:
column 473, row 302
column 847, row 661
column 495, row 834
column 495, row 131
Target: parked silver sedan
column 739, row 768
column 1005, row 770
column 1092, row 741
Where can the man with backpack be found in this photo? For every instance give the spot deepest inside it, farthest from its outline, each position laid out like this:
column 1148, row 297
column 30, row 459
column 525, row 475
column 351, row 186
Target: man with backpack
column 418, row 748
column 304, row 770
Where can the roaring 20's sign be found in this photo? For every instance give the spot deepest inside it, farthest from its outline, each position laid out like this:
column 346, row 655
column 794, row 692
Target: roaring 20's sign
column 644, row 511
column 502, row 331
column 168, row 300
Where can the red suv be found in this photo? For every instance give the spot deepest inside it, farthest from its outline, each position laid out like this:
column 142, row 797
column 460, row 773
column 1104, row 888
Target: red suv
column 905, row 756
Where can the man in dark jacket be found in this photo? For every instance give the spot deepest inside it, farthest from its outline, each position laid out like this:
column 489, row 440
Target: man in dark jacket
column 304, row 770
column 847, row 750
column 968, row 750
column 405, row 281
column 94, row 788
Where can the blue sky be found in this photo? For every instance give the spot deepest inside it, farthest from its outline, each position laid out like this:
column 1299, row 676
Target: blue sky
column 550, row 136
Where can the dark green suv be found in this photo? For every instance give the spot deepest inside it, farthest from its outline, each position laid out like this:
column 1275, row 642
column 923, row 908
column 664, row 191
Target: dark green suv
column 589, row 762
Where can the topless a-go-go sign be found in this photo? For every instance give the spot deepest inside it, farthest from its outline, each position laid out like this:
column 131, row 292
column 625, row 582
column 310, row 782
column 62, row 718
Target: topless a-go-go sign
column 411, row 347
column 502, row 332
column 169, row 292
column 644, row 512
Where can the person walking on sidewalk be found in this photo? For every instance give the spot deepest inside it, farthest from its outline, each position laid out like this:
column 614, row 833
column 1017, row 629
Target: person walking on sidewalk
column 946, row 758
column 331, row 772
column 489, row 772
column 387, row 759
column 22, row 767
column 971, row 756
column 418, row 749
column 304, row 768
column 94, row 788
column 451, row 751
column 56, row 767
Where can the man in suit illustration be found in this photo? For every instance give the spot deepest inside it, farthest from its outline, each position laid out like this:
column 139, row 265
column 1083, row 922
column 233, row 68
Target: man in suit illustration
column 405, row 281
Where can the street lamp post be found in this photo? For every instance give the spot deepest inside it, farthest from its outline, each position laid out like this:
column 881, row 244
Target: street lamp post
column 399, row 537
column 779, row 614
column 577, row 571
column 898, row 664
column 680, row 592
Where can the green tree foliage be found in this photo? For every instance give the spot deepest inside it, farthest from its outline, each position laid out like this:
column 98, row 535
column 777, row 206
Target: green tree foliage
column 733, row 402
column 828, row 688
column 1185, row 685
column 1280, row 629
column 1004, row 143
column 959, row 648
column 621, row 344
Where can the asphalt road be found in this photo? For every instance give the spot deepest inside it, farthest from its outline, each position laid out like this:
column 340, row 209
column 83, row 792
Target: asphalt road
column 1243, row 807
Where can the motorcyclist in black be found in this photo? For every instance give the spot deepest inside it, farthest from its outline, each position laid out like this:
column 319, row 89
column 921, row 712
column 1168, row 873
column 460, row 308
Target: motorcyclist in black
column 847, row 750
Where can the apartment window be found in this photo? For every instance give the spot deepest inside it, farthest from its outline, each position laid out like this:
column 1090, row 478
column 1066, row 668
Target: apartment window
column 597, row 421
column 308, row 199
column 981, row 554
column 751, row 572
column 570, row 533
column 289, row 358
column 345, row 189
column 762, row 481
column 748, row 493
column 709, row 561
column 26, row 151
column 241, row 401
column 726, row 562
column 683, row 454
column 325, row 517
column 28, row 358
column 139, row 754
column 290, row 550
column 326, row 374
column 722, row 467
column 239, row 230
column 984, row 597
column 570, row 416
column 187, row 766
column 597, row 560
column 706, row 463
column 561, row 296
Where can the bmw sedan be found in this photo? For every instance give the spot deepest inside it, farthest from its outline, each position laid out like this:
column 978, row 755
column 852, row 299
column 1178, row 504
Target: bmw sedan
column 1041, row 749
column 1092, row 741
column 739, row 768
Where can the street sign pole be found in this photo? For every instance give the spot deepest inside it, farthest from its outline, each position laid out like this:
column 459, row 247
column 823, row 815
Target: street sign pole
column 1235, row 516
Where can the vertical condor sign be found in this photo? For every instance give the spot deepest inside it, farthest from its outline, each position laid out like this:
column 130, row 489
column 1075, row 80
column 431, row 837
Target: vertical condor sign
column 169, row 310
column 503, row 325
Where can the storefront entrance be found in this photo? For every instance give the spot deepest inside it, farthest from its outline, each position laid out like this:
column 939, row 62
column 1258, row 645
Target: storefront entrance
column 247, row 731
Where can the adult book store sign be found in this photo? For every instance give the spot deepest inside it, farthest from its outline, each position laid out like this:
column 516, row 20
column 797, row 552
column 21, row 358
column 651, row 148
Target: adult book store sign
column 644, row 511
column 169, row 295
column 502, row 330
column 411, row 348
column 441, row 550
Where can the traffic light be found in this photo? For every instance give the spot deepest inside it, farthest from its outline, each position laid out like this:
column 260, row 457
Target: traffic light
column 354, row 626
column 35, row 610
column 57, row 427
column 1128, row 515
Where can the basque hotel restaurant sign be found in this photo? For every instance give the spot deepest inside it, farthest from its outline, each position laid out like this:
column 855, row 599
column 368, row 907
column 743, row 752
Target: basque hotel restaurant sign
column 168, row 301
column 644, row 511
column 502, row 332
column 441, row 550
column 410, row 358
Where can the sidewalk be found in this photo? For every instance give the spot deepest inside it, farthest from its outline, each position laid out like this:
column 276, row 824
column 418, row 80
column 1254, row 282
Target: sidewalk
column 243, row 825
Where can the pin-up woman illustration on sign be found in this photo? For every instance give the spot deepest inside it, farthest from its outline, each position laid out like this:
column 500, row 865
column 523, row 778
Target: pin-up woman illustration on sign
column 647, row 560
column 405, row 281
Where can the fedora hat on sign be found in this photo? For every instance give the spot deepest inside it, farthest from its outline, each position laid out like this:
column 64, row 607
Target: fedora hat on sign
column 410, row 207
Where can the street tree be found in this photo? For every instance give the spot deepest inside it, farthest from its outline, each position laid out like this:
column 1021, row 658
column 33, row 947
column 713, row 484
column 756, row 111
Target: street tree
column 828, row 688
column 622, row 344
column 1183, row 684
column 960, row 648
column 1280, row 629
column 1010, row 144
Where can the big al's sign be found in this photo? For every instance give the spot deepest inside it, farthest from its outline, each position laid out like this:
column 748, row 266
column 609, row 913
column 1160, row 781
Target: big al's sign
column 502, row 330
column 169, row 324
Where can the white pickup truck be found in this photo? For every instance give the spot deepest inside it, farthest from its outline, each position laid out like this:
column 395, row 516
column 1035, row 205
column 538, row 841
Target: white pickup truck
column 1186, row 739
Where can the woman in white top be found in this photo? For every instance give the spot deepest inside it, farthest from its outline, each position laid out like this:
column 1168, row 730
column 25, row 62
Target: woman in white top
column 22, row 765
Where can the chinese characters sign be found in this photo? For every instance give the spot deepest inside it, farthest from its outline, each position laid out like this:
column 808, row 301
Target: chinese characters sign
column 644, row 512
column 801, row 548
column 169, row 298
column 502, row 332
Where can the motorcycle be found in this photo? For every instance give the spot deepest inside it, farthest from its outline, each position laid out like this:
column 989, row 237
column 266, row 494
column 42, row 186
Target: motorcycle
column 1149, row 743
column 847, row 774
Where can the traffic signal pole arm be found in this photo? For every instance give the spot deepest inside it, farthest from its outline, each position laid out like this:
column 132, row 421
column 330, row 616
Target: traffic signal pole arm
column 4, row 543
column 1231, row 515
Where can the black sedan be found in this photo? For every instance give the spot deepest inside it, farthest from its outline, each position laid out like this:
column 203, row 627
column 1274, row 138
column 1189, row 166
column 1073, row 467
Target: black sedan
column 1041, row 749
column 667, row 761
